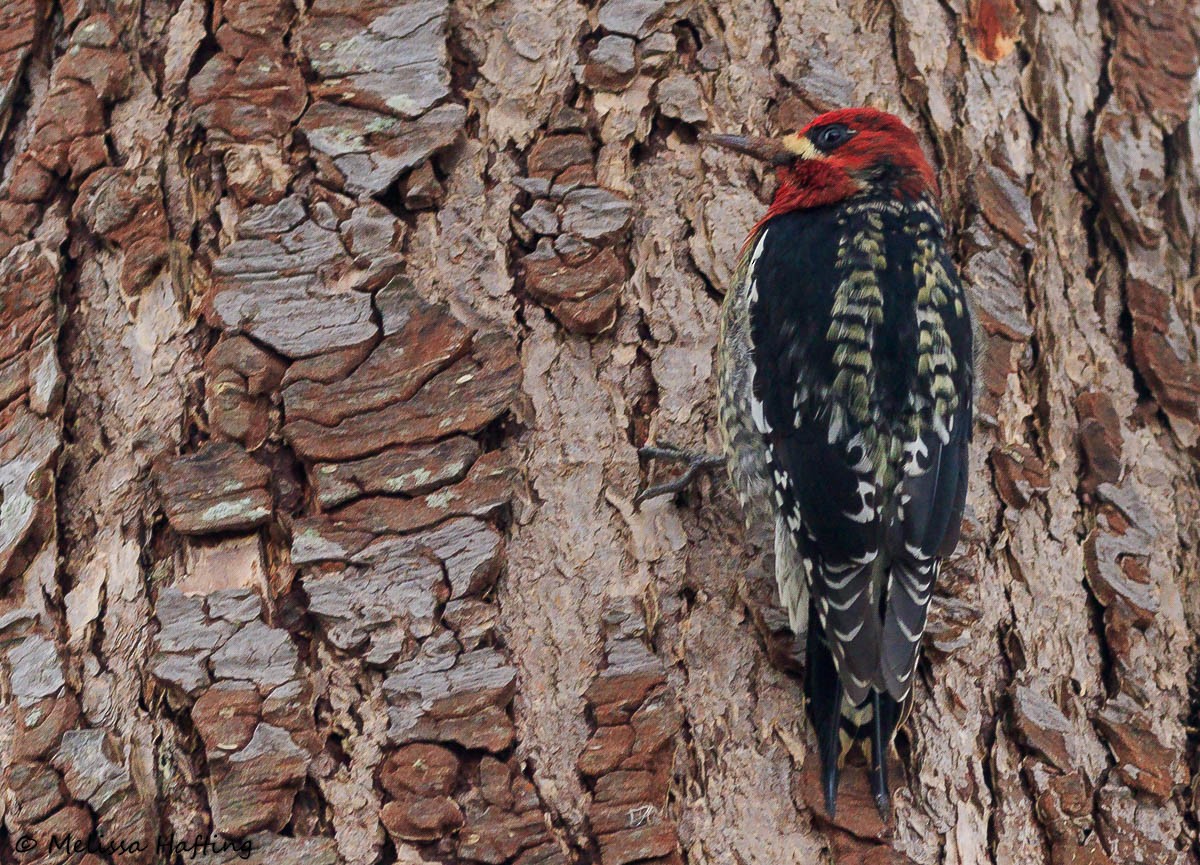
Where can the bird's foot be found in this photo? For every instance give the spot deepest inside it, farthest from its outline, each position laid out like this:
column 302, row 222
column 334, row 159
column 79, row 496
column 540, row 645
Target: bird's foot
column 697, row 462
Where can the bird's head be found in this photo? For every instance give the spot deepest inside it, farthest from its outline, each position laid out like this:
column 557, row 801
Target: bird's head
column 839, row 155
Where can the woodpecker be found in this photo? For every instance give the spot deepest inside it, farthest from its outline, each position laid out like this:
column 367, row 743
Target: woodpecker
column 845, row 370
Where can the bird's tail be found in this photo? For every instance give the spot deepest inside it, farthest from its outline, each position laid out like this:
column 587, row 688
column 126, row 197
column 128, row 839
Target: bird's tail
column 840, row 724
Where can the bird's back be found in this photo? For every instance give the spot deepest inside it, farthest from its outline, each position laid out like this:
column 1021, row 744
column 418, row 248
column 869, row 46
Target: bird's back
column 846, row 392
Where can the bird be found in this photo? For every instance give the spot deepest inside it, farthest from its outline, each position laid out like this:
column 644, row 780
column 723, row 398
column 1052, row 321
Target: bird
column 845, row 368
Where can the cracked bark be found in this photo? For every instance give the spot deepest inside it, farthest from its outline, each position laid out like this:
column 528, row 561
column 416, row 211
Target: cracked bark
column 330, row 336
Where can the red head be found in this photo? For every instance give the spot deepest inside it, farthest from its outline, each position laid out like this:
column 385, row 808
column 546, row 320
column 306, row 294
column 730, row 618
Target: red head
column 839, row 155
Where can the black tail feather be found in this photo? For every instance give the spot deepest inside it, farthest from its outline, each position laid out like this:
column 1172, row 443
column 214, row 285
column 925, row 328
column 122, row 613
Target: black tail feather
column 883, row 723
column 823, row 688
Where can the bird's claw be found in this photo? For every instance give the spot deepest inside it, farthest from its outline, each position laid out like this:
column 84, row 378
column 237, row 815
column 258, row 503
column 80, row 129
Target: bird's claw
column 696, row 462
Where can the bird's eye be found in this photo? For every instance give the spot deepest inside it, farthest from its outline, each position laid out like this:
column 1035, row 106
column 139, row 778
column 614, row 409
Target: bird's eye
column 834, row 135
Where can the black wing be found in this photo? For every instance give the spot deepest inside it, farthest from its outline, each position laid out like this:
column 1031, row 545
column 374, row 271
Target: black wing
column 825, row 485
column 833, row 318
column 932, row 491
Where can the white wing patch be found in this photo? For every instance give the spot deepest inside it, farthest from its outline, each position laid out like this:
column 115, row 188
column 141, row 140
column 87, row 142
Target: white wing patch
column 866, row 496
column 919, row 597
column 757, row 413
column 849, row 602
column 756, row 406
column 914, row 452
column 859, row 443
column 847, row 637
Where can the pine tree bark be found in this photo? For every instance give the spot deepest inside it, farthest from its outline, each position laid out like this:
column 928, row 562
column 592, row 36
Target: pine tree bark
column 331, row 331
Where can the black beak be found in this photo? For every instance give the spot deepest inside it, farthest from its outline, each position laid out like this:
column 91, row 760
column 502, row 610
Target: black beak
column 770, row 150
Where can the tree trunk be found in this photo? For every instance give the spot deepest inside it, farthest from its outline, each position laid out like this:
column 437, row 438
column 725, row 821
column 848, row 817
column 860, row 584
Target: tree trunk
column 329, row 338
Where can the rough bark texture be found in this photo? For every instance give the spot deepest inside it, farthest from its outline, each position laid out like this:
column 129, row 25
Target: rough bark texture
column 330, row 331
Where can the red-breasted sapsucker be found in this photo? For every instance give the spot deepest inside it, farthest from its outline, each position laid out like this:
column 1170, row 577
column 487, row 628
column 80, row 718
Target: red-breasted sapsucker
column 845, row 365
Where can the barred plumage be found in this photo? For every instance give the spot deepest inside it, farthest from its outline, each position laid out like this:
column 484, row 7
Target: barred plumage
column 845, row 404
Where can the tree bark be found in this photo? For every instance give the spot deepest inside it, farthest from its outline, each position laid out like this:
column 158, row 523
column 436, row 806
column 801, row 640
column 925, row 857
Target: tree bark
column 331, row 331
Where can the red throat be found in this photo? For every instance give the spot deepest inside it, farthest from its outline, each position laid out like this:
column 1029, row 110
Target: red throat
column 811, row 183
